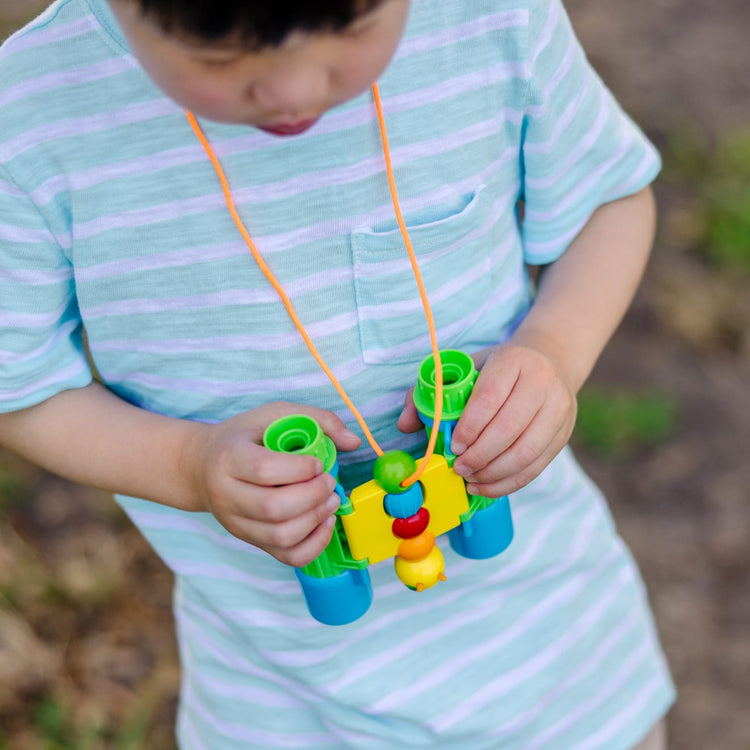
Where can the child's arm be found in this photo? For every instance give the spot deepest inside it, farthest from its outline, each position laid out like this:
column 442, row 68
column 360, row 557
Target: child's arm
column 281, row 503
column 523, row 407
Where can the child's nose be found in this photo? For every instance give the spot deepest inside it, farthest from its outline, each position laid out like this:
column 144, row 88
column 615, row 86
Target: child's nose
column 300, row 90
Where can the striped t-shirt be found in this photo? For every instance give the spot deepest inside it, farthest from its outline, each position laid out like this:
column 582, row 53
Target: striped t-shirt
column 111, row 218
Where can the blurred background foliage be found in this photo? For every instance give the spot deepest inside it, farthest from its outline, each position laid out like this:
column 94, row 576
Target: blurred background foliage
column 87, row 653
column 721, row 174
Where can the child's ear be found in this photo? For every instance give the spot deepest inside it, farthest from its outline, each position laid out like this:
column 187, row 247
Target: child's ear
column 409, row 420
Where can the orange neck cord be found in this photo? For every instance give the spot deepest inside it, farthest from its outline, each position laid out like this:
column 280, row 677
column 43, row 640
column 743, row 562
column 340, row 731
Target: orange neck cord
column 298, row 323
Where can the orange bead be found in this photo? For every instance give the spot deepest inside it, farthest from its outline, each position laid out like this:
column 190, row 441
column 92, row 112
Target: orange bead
column 417, row 547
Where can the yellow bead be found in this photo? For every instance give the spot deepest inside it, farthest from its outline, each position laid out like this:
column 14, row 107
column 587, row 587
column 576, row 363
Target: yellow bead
column 421, row 574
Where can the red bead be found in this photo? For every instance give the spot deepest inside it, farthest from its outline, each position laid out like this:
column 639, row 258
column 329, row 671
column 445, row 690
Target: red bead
column 407, row 528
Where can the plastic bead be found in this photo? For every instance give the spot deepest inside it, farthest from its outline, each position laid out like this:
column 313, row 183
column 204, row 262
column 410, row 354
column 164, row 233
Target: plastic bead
column 392, row 468
column 406, row 528
column 418, row 547
column 424, row 573
column 405, row 504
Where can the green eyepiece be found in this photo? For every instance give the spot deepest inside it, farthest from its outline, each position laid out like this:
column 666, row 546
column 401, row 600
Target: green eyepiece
column 459, row 375
column 298, row 433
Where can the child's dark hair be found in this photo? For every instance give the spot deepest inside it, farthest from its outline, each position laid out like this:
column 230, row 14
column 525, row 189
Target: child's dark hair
column 255, row 24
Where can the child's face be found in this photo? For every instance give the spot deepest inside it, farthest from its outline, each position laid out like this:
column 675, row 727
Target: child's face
column 282, row 90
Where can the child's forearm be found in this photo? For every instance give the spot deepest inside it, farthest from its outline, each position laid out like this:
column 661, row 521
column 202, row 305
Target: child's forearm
column 282, row 503
column 92, row 437
column 583, row 295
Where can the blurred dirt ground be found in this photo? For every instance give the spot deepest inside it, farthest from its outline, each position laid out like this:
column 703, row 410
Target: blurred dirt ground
column 681, row 68
column 87, row 657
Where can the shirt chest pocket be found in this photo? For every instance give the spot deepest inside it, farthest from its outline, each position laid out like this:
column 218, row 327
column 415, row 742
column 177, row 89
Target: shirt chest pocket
column 452, row 246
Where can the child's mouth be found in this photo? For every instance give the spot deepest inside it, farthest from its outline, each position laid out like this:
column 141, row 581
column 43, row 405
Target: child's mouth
column 289, row 128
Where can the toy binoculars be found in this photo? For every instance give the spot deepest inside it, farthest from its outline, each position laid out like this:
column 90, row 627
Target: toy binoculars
column 380, row 519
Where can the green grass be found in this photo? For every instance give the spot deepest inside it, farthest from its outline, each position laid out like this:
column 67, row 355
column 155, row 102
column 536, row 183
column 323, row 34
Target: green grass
column 727, row 206
column 58, row 731
column 15, row 490
column 616, row 423
column 720, row 177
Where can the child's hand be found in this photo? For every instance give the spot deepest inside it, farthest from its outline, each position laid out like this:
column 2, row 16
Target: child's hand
column 282, row 503
column 520, row 414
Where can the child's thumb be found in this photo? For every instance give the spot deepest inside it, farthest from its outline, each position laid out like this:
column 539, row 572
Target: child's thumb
column 409, row 420
column 343, row 438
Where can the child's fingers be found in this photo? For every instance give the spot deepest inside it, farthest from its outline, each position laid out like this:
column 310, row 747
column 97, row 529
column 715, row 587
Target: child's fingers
column 278, row 520
column 343, row 438
column 287, row 502
column 518, row 466
column 508, row 485
column 256, row 420
column 501, row 434
column 288, row 534
column 295, row 542
column 507, row 423
column 409, row 420
column 309, row 548
column 248, row 462
column 493, row 387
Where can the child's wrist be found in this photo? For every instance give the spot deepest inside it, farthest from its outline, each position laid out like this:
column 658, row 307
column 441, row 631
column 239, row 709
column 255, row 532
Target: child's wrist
column 570, row 369
column 191, row 466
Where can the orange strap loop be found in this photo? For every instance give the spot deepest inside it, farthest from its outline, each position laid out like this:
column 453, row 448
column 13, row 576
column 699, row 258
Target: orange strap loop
column 292, row 313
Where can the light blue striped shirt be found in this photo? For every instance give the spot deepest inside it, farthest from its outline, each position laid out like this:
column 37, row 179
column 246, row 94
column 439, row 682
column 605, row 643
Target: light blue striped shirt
column 111, row 219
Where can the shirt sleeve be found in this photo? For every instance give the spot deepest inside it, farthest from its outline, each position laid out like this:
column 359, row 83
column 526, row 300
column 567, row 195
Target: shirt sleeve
column 580, row 150
column 41, row 334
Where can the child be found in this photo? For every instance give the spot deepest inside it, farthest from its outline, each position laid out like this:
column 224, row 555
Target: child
column 112, row 218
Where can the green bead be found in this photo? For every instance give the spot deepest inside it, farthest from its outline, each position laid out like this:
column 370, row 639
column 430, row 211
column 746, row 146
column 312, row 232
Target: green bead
column 392, row 468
